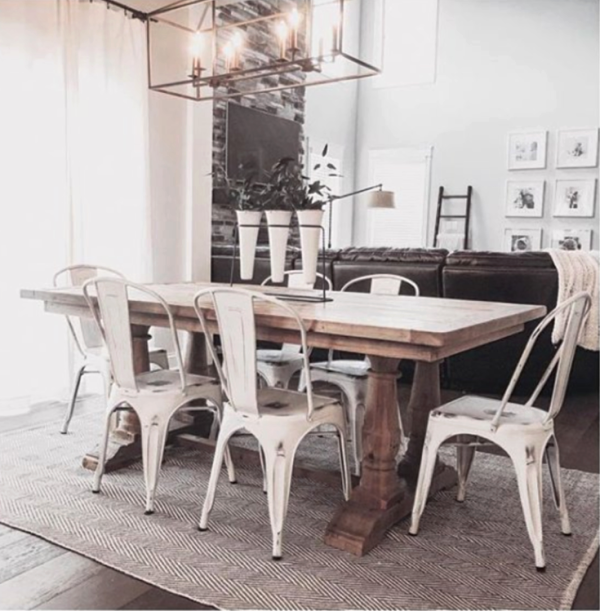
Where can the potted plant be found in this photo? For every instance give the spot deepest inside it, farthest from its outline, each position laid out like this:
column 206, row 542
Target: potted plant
column 278, row 194
column 245, row 197
column 310, row 218
column 289, row 189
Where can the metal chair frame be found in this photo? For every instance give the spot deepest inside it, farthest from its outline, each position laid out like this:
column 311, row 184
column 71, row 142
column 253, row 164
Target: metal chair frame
column 350, row 377
column 279, row 419
column 88, row 341
column 154, row 396
column 526, row 441
column 278, row 367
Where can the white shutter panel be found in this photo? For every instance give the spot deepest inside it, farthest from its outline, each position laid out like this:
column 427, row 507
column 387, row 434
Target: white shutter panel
column 406, row 173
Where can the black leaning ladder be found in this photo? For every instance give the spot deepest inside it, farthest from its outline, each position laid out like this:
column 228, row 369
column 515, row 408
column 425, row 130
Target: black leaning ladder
column 466, row 216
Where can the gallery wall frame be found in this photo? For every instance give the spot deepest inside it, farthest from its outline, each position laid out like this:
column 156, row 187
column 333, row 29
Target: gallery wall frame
column 577, row 148
column 525, row 198
column 574, row 197
column 527, row 150
column 522, row 240
column 571, row 239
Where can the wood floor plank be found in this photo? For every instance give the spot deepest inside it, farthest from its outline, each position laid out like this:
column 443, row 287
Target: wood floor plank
column 156, row 599
column 20, row 553
column 32, row 588
column 108, row 589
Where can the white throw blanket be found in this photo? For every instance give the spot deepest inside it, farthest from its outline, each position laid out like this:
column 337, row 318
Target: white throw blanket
column 578, row 271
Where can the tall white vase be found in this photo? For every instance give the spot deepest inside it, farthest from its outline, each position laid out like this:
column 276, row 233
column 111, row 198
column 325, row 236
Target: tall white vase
column 248, row 240
column 310, row 239
column 278, row 239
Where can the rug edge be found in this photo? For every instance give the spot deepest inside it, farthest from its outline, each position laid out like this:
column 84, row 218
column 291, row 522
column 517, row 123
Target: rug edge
column 571, row 592
column 51, row 540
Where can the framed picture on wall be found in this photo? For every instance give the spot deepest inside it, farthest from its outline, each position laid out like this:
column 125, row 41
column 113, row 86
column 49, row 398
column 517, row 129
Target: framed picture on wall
column 525, row 198
column 572, row 239
column 522, row 240
column 574, row 197
column 527, row 150
column 577, row 148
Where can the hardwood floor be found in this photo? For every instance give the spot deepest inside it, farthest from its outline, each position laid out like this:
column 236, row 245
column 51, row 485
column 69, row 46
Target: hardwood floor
column 35, row 574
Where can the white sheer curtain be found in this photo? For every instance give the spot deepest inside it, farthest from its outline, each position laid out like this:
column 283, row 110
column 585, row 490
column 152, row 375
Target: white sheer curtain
column 73, row 171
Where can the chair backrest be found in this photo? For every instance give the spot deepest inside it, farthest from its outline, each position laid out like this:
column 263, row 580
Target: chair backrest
column 295, row 280
column 235, row 310
column 384, row 284
column 110, row 309
column 575, row 309
column 85, row 332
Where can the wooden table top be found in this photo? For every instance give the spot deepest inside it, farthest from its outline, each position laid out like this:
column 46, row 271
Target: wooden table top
column 420, row 328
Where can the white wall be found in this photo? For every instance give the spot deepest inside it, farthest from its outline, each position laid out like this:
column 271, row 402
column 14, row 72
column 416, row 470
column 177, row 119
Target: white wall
column 180, row 189
column 331, row 115
column 503, row 65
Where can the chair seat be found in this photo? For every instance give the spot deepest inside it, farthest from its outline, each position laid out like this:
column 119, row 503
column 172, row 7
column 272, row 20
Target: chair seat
column 477, row 413
column 278, row 402
column 168, row 380
column 353, row 369
column 279, row 357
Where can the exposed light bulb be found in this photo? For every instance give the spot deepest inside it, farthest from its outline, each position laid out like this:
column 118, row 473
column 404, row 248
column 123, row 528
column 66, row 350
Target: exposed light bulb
column 294, row 19
column 282, row 33
column 196, row 49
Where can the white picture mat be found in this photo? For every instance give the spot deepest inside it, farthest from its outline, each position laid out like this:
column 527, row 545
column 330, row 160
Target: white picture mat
column 584, row 236
column 574, row 197
column 513, row 187
column 520, row 144
column 531, row 236
column 565, row 143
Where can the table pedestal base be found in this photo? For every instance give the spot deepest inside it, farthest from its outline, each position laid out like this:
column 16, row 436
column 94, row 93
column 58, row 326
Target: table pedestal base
column 382, row 498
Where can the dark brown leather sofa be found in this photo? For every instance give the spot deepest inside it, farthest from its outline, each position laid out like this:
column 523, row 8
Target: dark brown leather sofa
column 484, row 276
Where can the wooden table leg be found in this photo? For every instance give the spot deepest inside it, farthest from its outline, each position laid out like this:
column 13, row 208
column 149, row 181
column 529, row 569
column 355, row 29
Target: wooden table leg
column 382, row 498
column 124, row 446
column 196, row 360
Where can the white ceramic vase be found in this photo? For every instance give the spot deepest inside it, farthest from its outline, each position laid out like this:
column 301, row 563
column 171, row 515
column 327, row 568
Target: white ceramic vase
column 248, row 239
column 278, row 239
column 310, row 239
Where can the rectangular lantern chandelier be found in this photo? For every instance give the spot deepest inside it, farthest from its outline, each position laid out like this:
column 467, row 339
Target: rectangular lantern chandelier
column 221, row 49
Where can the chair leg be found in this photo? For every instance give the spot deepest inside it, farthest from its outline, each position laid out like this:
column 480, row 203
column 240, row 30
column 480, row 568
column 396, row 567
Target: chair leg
column 302, row 381
column 528, row 465
column 154, row 437
column 160, row 358
column 99, row 472
column 356, row 414
column 220, row 449
column 71, row 408
column 464, row 460
column 344, row 466
column 553, row 460
column 216, row 425
column 428, row 460
column 279, row 463
column 261, row 456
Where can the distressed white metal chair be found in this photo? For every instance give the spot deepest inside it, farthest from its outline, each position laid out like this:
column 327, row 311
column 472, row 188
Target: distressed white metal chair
column 350, row 376
column 524, row 432
column 91, row 355
column 154, row 395
column 277, row 367
column 279, row 419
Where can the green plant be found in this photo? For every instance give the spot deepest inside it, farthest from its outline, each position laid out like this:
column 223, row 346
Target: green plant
column 288, row 188
column 242, row 194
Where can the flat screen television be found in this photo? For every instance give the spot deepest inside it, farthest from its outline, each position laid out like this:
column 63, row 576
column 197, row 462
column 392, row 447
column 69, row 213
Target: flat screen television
column 257, row 140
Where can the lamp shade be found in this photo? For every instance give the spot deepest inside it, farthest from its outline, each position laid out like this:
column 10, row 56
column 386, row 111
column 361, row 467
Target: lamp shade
column 382, row 199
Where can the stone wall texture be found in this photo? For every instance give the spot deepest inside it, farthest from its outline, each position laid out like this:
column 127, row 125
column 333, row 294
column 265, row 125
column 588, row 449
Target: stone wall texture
column 260, row 47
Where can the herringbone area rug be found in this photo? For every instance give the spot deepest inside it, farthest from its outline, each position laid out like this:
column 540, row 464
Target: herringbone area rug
column 471, row 555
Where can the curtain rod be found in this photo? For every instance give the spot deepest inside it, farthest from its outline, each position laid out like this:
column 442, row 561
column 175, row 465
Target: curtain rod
column 135, row 14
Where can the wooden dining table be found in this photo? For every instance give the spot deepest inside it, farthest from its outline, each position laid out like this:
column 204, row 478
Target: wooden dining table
column 387, row 329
